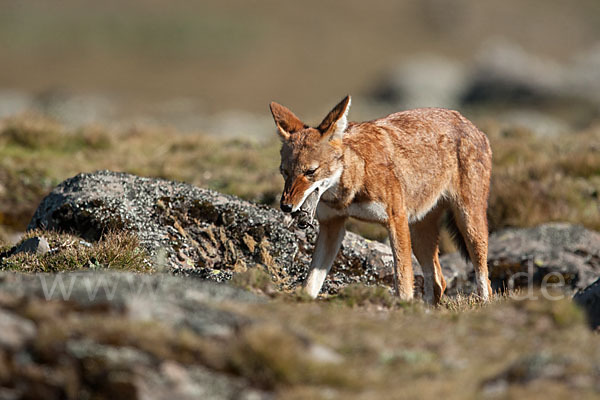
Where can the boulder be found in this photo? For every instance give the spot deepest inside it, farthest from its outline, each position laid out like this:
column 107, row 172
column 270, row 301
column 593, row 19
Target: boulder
column 506, row 73
column 410, row 85
column 555, row 253
column 459, row 274
column 200, row 232
column 544, row 253
column 518, row 87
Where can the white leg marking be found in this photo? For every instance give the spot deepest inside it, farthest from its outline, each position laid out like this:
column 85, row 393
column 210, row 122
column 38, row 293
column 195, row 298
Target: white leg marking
column 482, row 286
column 315, row 280
column 328, row 245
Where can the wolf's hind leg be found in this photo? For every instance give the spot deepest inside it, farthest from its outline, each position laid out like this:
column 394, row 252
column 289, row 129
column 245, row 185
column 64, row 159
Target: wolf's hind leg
column 424, row 235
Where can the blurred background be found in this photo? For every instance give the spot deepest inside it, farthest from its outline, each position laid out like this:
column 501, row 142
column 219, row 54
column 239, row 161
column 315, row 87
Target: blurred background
column 181, row 90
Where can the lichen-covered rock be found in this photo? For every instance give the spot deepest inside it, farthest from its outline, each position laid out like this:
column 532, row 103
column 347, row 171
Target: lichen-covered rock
column 201, row 232
column 569, row 251
column 518, row 257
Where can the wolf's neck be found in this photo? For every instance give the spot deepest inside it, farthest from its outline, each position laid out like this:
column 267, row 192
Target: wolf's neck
column 350, row 181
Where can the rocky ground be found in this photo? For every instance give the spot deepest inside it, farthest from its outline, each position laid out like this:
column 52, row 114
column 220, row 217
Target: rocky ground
column 124, row 336
column 118, row 336
column 200, row 232
column 156, row 331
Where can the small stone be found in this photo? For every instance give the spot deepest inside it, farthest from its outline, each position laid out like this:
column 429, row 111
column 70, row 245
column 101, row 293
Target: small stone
column 34, row 245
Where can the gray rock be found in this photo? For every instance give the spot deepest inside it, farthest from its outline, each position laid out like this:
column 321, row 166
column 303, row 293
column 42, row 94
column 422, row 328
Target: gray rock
column 569, row 251
column 522, row 257
column 74, row 109
column 458, row 273
column 35, row 245
column 182, row 382
column 527, row 257
column 518, row 87
column 503, row 71
column 13, row 102
column 203, row 233
column 506, row 76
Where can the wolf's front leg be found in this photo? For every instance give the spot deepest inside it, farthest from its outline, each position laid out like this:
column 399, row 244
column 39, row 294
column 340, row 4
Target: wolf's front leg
column 331, row 234
column 401, row 249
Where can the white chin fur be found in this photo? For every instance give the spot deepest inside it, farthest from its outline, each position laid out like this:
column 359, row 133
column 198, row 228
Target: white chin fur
column 322, row 185
column 311, row 189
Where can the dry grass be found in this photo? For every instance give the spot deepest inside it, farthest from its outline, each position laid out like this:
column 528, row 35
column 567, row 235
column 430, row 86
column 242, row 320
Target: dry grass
column 510, row 349
column 379, row 347
column 29, row 144
column 256, row 279
column 537, row 180
column 359, row 344
column 464, row 350
column 359, row 295
column 119, row 251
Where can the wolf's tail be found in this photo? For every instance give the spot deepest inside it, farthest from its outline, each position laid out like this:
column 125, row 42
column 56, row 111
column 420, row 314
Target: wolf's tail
column 456, row 235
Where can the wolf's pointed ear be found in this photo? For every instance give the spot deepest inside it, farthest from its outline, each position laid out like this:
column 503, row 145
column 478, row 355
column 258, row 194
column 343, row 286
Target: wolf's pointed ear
column 286, row 121
column 336, row 122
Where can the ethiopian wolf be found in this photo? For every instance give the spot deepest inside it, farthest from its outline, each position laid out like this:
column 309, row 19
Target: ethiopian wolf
column 402, row 171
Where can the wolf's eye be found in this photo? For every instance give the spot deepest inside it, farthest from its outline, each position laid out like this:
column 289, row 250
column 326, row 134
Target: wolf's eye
column 310, row 172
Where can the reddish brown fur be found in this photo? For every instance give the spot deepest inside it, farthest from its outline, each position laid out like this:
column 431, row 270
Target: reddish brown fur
column 414, row 164
column 293, row 193
column 286, row 120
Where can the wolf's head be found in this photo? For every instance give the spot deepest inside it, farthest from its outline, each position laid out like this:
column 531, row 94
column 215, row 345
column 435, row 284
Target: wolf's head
column 311, row 158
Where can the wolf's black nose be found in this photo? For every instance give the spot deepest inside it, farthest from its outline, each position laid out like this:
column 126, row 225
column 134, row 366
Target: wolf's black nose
column 286, row 207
